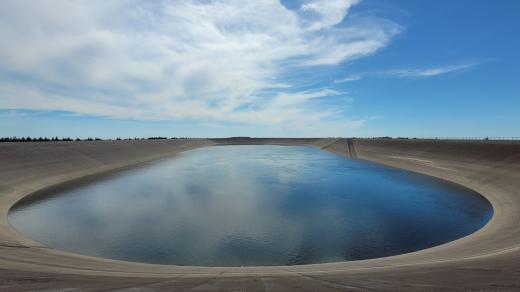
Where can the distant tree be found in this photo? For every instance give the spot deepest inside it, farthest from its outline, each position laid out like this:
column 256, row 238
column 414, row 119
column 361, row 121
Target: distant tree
column 156, row 138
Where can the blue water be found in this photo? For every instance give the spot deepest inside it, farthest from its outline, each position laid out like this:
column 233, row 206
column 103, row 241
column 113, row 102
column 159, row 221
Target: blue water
column 254, row 205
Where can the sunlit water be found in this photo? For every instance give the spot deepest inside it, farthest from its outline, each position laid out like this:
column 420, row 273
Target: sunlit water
column 254, row 205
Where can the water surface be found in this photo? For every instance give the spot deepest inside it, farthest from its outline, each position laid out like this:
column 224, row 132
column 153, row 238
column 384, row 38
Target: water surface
column 254, row 205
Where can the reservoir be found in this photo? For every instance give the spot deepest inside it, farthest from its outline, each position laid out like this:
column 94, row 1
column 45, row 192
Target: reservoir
column 252, row 205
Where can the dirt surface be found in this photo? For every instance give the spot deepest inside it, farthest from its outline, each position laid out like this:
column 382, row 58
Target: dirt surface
column 485, row 260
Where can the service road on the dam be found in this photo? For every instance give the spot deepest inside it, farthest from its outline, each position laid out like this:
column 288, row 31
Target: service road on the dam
column 485, row 260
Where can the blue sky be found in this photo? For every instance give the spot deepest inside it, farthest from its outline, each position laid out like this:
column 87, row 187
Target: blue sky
column 260, row 68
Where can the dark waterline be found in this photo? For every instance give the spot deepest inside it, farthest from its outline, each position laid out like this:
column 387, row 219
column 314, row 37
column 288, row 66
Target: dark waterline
column 251, row 206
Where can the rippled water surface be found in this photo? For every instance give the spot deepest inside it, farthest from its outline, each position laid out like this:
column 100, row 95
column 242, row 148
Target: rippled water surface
column 253, row 205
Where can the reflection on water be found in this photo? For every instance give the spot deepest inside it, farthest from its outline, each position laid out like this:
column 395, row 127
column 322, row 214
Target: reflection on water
column 254, row 205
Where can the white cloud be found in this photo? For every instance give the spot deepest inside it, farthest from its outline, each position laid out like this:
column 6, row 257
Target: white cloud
column 409, row 72
column 327, row 12
column 428, row 72
column 348, row 78
column 199, row 60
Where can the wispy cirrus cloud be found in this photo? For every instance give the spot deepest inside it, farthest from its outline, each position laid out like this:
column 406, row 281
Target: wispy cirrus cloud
column 410, row 72
column 427, row 72
column 195, row 60
column 348, row 78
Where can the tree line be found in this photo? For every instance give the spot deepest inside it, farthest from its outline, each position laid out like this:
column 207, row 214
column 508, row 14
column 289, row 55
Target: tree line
column 55, row 139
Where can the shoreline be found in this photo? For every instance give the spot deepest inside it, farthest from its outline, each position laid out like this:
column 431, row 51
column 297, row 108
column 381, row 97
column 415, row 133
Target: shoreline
column 59, row 189
column 494, row 245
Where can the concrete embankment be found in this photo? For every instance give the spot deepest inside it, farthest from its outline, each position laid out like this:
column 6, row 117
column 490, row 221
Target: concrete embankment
column 486, row 259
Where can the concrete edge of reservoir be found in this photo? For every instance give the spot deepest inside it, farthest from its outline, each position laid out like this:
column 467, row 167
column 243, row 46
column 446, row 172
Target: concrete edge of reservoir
column 487, row 259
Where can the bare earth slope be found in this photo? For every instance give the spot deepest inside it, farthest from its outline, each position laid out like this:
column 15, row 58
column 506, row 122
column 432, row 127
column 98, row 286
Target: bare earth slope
column 487, row 259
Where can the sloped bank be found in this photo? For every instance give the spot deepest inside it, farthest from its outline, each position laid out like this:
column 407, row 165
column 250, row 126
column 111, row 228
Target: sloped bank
column 484, row 260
